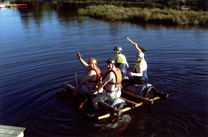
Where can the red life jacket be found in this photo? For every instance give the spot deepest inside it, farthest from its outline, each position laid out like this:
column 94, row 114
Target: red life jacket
column 117, row 72
column 98, row 75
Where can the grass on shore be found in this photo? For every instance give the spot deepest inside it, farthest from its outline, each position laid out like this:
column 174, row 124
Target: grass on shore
column 146, row 15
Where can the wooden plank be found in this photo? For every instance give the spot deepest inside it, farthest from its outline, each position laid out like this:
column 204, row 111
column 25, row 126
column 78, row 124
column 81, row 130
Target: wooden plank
column 11, row 131
column 160, row 95
column 143, row 99
column 155, row 98
column 122, row 110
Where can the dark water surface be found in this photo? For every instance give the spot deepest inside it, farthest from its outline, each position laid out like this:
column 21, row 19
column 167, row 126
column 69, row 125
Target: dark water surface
column 38, row 48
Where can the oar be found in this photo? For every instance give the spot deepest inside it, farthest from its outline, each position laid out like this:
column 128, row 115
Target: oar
column 77, row 86
column 76, row 79
column 84, row 102
column 142, row 49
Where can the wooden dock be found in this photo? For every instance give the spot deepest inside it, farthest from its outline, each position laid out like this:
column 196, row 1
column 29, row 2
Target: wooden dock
column 11, row 131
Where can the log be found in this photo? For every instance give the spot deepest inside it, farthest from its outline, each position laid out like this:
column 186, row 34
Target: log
column 11, row 131
column 143, row 99
column 155, row 98
column 109, row 107
column 163, row 95
column 122, row 110
column 129, row 102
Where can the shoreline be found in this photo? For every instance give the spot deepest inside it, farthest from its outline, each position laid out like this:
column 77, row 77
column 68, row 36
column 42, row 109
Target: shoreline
column 146, row 16
column 136, row 12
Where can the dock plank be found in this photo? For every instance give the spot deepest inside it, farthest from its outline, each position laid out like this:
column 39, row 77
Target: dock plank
column 11, row 131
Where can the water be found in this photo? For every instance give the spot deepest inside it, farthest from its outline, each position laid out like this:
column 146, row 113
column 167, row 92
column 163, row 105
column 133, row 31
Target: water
column 38, row 48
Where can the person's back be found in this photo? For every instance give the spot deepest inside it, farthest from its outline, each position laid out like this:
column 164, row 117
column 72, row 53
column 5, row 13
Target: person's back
column 115, row 79
column 121, row 61
column 94, row 79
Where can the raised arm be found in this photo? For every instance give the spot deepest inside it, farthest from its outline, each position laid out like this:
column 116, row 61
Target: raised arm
column 136, row 46
column 81, row 60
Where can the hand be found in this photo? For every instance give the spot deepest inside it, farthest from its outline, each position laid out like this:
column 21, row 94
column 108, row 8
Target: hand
column 130, row 74
column 95, row 93
column 135, row 45
column 79, row 55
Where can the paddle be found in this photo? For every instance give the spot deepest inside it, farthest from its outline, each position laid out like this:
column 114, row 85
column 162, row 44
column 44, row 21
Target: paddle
column 142, row 49
column 77, row 86
column 83, row 103
column 76, row 79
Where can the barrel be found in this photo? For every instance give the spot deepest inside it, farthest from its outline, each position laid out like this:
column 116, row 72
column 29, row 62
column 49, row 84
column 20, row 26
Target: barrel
column 144, row 90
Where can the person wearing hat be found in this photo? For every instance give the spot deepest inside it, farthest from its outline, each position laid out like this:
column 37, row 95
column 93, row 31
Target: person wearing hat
column 92, row 77
column 111, row 84
column 139, row 76
column 121, row 62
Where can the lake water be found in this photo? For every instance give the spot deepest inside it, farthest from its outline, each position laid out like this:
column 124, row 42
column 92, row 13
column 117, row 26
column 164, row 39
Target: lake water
column 38, row 48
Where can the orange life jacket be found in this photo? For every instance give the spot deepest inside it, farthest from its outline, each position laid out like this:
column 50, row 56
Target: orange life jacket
column 98, row 75
column 117, row 72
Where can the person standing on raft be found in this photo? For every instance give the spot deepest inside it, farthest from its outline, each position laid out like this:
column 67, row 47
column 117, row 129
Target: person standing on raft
column 121, row 62
column 111, row 84
column 139, row 76
column 92, row 78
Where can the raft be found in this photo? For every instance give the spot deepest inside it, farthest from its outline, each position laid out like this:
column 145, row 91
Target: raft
column 115, row 107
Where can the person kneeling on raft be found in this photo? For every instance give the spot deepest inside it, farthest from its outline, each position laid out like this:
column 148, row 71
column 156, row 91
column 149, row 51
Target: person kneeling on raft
column 111, row 84
column 139, row 76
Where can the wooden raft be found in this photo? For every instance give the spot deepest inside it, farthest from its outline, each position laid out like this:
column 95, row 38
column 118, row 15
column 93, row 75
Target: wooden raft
column 131, row 104
column 11, row 131
column 113, row 111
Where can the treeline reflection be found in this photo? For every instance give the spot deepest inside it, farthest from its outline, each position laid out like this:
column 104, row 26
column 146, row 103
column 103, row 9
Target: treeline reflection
column 37, row 9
